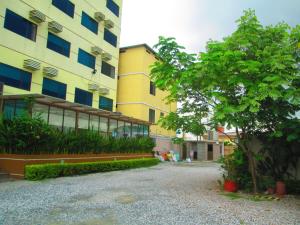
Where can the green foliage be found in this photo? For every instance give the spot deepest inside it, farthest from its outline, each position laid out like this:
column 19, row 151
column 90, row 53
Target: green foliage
column 293, row 187
column 243, row 81
column 235, row 167
column 26, row 135
column 43, row 171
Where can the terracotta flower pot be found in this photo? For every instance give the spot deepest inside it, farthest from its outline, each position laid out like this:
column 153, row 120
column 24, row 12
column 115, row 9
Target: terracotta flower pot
column 230, row 186
column 280, row 188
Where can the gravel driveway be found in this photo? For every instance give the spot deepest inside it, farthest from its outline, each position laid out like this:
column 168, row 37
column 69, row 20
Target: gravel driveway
column 165, row 194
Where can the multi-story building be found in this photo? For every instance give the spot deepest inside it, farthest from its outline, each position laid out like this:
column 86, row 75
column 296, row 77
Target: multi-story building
column 65, row 52
column 137, row 95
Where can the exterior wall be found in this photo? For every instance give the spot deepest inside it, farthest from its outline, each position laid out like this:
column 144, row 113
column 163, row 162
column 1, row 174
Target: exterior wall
column 134, row 98
column 15, row 164
column 202, row 150
column 15, row 48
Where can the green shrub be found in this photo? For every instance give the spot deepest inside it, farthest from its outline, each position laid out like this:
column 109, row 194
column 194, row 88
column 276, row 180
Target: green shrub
column 43, row 171
column 293, row 187
column 26, row 135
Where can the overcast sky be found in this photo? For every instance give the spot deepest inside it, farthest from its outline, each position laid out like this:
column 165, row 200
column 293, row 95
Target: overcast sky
column 194, row 22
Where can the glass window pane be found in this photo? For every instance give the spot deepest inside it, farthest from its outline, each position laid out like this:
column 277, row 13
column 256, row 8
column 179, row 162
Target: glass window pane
column 140, row 131
column 110, row 37
column 65, row 6
column 54, row 88
column 113, row 7
column 69, row 120
column 58, row 45
column 89, row 23
column 15, row 77
column 56, row 117
column 134, row 130
column 108, row 69
column 86, row 59
column 20, row 25
column 146, row 130
column 105, row 103
column 9, row 109
column 39, row 110
column 113, row 128
column 103, row 125
column 127, row 130
column 94, row 123
column 121, row 125
column 83, row 97
column 21, row 108
column 83, row 121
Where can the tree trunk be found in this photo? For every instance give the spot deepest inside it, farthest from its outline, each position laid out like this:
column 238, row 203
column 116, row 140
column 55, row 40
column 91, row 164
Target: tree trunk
column 252, row 166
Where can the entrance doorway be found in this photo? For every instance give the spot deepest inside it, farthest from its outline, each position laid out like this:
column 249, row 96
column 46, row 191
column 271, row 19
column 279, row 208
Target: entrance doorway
column 210, row 155
column 195, row 155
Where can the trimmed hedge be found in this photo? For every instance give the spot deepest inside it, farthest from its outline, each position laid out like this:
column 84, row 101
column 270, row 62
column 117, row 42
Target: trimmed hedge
column 43, row 171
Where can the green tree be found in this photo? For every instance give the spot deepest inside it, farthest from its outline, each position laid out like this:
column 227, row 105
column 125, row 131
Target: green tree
column 237, row 82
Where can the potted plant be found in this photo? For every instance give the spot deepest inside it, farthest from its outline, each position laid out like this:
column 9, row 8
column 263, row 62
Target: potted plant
column 229, row 174
column 268, row 184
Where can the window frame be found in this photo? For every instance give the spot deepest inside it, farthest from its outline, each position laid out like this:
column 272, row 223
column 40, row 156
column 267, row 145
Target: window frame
column 88, row 94
column 110, row 37
column 12, row 82
column 65, row 8
column 151, row 115
column 90, row 64
column 105, row 67
column 14, row 25
column 63, row 87
column 111, row 107
column 152, row 88
column 66, row 52
column 88, row 22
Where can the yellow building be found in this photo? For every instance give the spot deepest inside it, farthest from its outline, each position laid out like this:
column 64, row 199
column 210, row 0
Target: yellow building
column 67, row 49
column 137, row 96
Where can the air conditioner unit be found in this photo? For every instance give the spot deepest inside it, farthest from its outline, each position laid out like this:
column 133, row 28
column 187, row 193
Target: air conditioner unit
column 96, row 50
column 31, row 64
column 37, row 16
column 99, row 16
column 106, row 56
column 109, row 24
column 103, row 91
column 93, row 87
column 50, row 72
column 55, row 27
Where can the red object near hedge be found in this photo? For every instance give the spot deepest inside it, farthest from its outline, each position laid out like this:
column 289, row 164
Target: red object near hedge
column 280, row 188
column 230, row 186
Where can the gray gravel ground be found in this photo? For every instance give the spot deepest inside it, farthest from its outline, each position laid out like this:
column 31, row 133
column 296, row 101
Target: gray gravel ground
column 165, row 194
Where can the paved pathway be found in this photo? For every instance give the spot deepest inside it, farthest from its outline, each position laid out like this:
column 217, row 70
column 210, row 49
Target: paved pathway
column 166, row 194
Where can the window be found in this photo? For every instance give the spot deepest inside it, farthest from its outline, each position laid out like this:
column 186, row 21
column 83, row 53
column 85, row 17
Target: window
column 151, row 115
column 15, row 77
column 103, row 125
column 40, row 111
column 64, row 5
column 110, row 37
column 162, row 114
column 69, row 120
column 146, row 130
column 108, row 69
column 83, row 121
column 54, row 88
column 113, row 7
column 89, row 23
column 56, row 117
column 105, row 103
column 152, row 88
column 113, row 128
column 58, row 45
column 20, row 25
column 83, row 97
column 94, row 123
column 86, row 59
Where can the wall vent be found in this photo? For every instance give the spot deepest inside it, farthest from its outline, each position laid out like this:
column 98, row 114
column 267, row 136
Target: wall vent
column 99, row 16
column 37, row 16
column 109, row 24
column 103, row 91
column 93, row 87
column 55, row 27
column 31, row 65
column 106, row 56
column 96, row 50
column 50, row 72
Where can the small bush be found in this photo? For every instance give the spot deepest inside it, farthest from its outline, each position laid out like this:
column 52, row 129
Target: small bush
column 43, row 171
column 293, row 187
